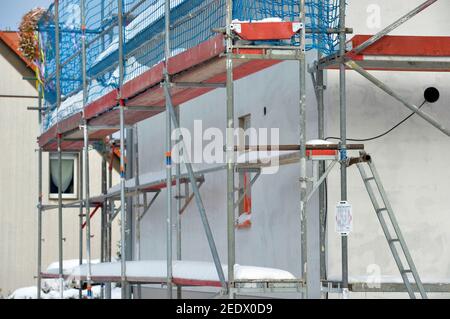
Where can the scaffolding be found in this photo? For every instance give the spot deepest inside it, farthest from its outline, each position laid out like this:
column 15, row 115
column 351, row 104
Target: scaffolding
column 194, row 47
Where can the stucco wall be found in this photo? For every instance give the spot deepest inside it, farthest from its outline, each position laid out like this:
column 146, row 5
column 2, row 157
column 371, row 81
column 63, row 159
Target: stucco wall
column 19, row 186
column 411, row 160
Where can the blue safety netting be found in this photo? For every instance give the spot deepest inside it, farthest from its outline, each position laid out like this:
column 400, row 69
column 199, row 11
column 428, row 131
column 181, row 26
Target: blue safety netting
column 192, row 22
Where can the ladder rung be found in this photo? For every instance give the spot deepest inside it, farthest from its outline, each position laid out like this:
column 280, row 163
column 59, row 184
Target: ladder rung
column 406, row 271
column 394, row 240
column 381, row 210
column 369, row 179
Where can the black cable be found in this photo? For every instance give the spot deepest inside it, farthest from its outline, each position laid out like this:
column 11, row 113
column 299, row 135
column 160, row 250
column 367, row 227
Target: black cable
column 381, row 135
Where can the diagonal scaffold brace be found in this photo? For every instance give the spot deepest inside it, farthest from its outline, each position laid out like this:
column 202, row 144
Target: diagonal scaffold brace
column 196, row 191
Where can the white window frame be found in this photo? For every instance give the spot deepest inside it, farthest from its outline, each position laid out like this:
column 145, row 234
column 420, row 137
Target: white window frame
column 65, row 156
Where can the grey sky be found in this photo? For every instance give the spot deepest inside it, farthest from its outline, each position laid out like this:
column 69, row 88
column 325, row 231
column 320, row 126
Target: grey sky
column 12, row 11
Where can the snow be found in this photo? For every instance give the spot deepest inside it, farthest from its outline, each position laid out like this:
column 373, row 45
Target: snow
column 142, row 21
column 319, row 142
column 373, row 279
column 24, row 293
column 190, row 270
column 74, row 103
column 132, row 69
column 265, row 20
column 68, row 265
column 266, row 157
column 31, row 293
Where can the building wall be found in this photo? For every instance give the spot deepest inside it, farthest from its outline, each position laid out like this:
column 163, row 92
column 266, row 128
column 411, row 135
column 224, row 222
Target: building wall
column 411, row 162
column 273, row 240
column 19, row 187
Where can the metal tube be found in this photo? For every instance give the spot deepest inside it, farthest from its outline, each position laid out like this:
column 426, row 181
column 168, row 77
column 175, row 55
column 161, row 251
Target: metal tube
column 343, row 132
column 103, row 226
column 122, row 153
column 60, row 221
column 179, row 208
column 231, row 240
column 302, row 140
column 109, row 228
column 322, row 188
column 137, row 220
column 86, row 178
column 40, row 195
column 129, row 172
column 80, row 229
column 168, row 150
column 108, row 287
column 87, row 206
column 392, row 26
column 58, row 104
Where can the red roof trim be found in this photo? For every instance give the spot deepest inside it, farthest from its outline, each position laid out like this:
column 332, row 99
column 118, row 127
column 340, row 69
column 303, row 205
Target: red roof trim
column 12, row 39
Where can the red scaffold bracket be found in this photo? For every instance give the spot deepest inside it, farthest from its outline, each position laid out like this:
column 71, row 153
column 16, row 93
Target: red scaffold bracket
column 261, row 31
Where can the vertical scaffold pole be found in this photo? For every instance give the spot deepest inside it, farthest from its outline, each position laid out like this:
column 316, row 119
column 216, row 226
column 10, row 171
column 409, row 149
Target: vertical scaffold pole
column 87, row 206
column 322, row 189
column 58, row 105
column 109, row 224
column 302, row 122
column 80, row 222
column 137, row 203
column 178, row 211
column 123, row 212
column 321, row 134
column 86, row 179
column 230, row 151
column 40, row 196
column 60, row 222
column 343, row 132
column 168, row 151
column 104, row 212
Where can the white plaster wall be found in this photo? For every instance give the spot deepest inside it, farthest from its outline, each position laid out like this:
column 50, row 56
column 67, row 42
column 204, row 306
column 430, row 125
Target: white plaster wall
column 273, row 240
column 19, row 186
column 411, row 160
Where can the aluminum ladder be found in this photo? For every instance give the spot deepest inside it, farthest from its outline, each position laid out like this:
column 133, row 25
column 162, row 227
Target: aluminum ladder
column 395, row 239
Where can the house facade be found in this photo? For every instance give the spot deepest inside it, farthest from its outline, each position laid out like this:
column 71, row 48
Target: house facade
column 19, row 179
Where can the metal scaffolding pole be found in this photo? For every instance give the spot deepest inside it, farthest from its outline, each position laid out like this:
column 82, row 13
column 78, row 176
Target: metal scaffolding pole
column 322, row 189
column 123, row 212
column 129, row 174
column 343, row 132
column 40, row 195
column 86, row 178
column 60, row 221
column 104, row 213
column 137, row 205
column 303, row 177
column 80, row 221
column 168, row 151
column 58, row 105
column 87, row 206
column 109, row 226
column 179, row 206
column 231, row 240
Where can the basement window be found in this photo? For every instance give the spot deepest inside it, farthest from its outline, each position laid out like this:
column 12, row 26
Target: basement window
column 69, row 176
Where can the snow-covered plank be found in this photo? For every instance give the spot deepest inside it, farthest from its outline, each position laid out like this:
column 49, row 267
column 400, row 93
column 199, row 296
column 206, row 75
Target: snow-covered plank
column 192, row 273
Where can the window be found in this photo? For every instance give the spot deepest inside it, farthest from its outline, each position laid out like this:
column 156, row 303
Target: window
column 245, row 189
column 69, row 176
